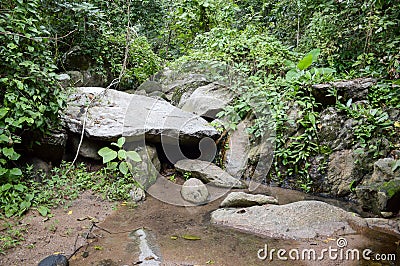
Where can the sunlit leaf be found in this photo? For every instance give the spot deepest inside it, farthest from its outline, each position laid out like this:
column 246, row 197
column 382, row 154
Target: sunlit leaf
column 107, row 154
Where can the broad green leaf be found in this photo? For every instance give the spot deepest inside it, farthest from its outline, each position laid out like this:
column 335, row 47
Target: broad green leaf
column 43, row 210
column 311, row 117
column 112, row 165
column 6, row 187
column 123, row 167
column 16, row 172
column 292, row 74
column 315, row 53
column 25, row 205
column 3, row 171
column 305, row 62
column 326, row 70
column 134, row 156
column 20, row 86
column 4, row 138
column 121, row 142
column 122, row 154
column 10, row 154
column 19, row 187
column 396, row 165
column 3, row 112
column 107, row 154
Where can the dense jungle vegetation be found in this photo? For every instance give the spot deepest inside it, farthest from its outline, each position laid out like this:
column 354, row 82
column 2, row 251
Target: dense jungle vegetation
column 282, row 47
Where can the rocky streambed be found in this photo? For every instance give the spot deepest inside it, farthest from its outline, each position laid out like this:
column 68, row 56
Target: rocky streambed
column 203, row 235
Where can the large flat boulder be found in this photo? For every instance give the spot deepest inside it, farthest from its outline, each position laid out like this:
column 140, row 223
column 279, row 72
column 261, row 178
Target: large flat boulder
column 118, row 113
column 208, row 173
column 298, row 220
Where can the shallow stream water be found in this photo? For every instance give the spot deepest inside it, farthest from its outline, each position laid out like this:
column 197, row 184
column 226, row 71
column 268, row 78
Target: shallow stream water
column 167, row 225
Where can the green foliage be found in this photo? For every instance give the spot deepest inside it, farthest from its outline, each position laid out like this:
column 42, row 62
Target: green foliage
column 271, row 101
column 30, row 98
column 11, row 236
column 64, row 184
column 123, row 157
column 187, row 175
column 96, row 34
column 251, row 51
column 372, row 123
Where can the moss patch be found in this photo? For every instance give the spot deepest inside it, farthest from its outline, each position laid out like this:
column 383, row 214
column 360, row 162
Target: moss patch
column 391, row 187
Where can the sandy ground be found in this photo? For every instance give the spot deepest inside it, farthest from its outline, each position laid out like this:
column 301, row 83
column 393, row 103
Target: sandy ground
column 62, row 233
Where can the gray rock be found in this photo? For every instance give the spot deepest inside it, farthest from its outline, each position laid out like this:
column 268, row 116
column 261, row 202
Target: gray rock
column 356, row 89
column 259, row 162
column 209, row 173
column 76, row 78
column 298, row 220
column 381, row 191
column 118, row 113
column 150, row 86
column 137, row 194
column 387, row 214
column 241, row 199
column 149, row 168
column 64, row 80
column 88, row 149
column 343, row 173
column 207, row 101
column 238, row 151
column 40, row 168
column 52, row 146
column 158, row 95
column 186, row 84
column 382, row 224
column 54, row 260
column 141, row 92
column 194, row 191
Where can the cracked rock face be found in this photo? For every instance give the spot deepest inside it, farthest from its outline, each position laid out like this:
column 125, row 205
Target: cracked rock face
column 118, row 113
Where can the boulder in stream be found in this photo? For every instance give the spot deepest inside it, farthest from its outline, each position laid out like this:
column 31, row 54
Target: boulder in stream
column 208, row 173
column 298, row 220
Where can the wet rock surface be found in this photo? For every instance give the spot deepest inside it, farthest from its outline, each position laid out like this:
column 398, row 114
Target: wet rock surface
column 299, row 220
column 242, row 199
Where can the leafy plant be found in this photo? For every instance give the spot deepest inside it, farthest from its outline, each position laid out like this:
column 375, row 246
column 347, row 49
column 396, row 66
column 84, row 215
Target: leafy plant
column 29, row 95
column 122, row 156
column 11, row 236
column 187, row 175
